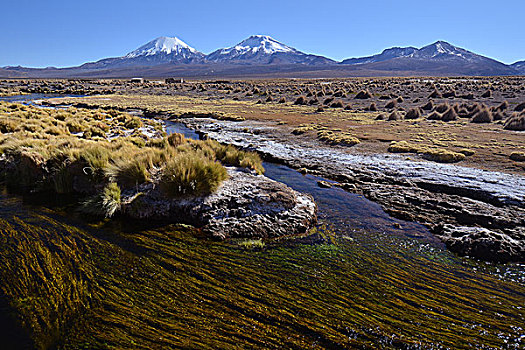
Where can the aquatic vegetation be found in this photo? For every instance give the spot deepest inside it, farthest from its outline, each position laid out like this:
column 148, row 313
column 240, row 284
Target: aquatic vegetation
column 165, row 288
column 252, row 244
column 106, row 288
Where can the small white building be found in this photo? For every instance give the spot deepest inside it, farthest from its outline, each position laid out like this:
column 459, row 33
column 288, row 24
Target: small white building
column 137, row 80
column 174, row 80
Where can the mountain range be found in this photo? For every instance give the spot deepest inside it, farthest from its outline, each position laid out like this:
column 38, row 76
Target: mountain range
column 261, row 55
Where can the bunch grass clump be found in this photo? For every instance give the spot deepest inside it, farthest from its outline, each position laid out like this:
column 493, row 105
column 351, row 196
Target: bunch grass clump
column 439, row 155
column 515, row 122
column 191, row 174
column 337, row 138
column 105, row 203
column 517, row 156
column 129, row 173
column 233, row 156
column 484, row 115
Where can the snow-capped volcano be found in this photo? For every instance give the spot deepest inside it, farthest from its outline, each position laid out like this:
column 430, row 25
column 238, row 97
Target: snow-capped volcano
column 169, row 46
column 442, row 49
column 254, row 44
column 263, row 49
column 260, row 54
column 162, row 50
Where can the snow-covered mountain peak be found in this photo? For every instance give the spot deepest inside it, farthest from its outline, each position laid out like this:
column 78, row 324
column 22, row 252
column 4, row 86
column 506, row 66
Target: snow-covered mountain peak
column 440, row 48
column 263, row 43
column 163, row 45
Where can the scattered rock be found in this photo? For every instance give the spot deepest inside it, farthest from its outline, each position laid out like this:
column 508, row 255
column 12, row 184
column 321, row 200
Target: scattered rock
column 246, row 205
column 324, row 184
column 484, row 244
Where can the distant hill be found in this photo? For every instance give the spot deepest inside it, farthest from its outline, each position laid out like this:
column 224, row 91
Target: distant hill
column 520, row 66
column 263, row 56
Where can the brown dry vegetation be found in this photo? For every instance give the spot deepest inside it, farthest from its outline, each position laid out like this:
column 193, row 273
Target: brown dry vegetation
column 489, row 143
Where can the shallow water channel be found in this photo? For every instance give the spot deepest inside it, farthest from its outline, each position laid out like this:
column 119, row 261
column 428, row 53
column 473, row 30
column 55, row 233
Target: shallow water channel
column 372, row 282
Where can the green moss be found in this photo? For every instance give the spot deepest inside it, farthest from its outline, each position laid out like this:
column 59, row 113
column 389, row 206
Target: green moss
column 443, row 156
column 337, row 138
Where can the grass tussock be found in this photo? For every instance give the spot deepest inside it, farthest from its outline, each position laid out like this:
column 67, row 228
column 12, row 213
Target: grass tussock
column 337, row 138
column 439, row 155
column 129, row 173
column 233, row 156
column 191, row 174
column 517, row 156
column 106, row 203
column 515, row 122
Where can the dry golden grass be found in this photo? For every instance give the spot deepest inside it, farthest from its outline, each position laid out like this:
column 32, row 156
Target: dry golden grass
column 374, row 135
column 428, row 152
column 51, row 158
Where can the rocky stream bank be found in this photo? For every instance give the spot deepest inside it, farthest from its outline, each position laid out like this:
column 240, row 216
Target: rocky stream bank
column 474, row 212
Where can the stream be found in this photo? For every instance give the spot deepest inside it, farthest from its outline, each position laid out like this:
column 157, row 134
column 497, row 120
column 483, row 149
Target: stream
column 375, row 281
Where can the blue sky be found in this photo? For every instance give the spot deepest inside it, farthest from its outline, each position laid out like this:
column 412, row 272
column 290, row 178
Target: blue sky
column 66, row 33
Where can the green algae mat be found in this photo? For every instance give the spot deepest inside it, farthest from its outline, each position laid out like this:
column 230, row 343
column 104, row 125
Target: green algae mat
column 67, row 284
